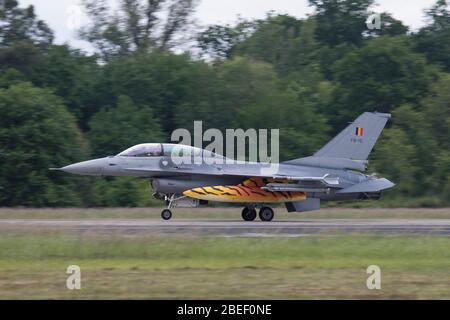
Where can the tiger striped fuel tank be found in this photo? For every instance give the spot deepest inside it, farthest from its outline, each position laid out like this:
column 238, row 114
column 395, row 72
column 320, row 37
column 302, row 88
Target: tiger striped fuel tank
column 249, row 192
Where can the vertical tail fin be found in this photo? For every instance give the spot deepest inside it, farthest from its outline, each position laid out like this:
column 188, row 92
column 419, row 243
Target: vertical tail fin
column 358, row 139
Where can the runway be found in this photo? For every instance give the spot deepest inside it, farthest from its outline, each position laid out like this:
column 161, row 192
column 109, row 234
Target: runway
column 237, row 228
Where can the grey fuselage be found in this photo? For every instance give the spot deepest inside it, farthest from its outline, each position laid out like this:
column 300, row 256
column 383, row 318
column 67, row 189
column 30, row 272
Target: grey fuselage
column 170, row 178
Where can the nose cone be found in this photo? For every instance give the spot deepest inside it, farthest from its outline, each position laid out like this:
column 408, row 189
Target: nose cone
column 91, row 167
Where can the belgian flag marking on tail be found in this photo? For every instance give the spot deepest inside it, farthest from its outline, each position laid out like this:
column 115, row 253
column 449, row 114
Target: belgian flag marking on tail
column 359, row 131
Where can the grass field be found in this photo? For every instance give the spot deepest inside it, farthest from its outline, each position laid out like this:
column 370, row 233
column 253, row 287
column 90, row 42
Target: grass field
column 127, row 266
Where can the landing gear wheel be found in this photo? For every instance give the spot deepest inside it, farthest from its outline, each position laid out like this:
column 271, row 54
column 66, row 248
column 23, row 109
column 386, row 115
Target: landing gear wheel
column 248, row 214
column 166, row 214
column 266, row 214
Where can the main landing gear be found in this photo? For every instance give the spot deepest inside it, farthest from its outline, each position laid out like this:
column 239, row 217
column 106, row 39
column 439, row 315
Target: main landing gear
column 265, row 214
column 249, row 213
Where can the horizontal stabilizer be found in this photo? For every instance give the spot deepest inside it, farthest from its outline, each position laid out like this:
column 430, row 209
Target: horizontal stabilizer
column 372, row 185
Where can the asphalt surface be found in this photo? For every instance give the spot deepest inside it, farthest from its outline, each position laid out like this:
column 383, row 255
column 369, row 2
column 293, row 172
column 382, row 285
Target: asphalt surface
column 238, row 228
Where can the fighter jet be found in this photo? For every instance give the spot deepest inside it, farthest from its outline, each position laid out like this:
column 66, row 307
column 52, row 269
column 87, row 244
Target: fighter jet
column 335, row 172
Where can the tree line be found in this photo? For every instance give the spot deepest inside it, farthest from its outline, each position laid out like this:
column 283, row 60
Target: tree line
column 308, row 77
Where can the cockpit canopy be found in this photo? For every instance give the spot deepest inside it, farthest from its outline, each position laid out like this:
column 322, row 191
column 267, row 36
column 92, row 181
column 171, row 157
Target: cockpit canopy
column 166, row 150
column 143, row 150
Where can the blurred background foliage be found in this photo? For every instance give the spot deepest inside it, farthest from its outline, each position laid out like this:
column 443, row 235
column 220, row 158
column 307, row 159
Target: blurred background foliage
column 308, row 77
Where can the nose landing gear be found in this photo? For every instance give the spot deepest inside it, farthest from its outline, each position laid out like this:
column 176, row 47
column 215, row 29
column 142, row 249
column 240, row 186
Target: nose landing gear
column 166, row 214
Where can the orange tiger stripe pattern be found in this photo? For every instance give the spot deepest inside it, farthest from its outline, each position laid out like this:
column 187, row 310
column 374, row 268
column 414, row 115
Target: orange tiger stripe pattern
column 249, row 191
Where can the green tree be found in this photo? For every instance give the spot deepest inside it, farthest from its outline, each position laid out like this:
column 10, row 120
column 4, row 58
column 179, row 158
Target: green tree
column 21, row 24
column 247, row 94
column 162, row 80
column 231, row 88
column 362, row 85
column 436, row 150
column 115, row 129
column 72, row 75
column 36, row 133
column 434, row 39
column 396, row 158
column 341, row 21
column 20, row 56
column 414, row 153
column 123, row 192
column 219, row 41
column 136, row 26
column 389, row 27
column 23, row 38
column 283, row 41
column 436, row 109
